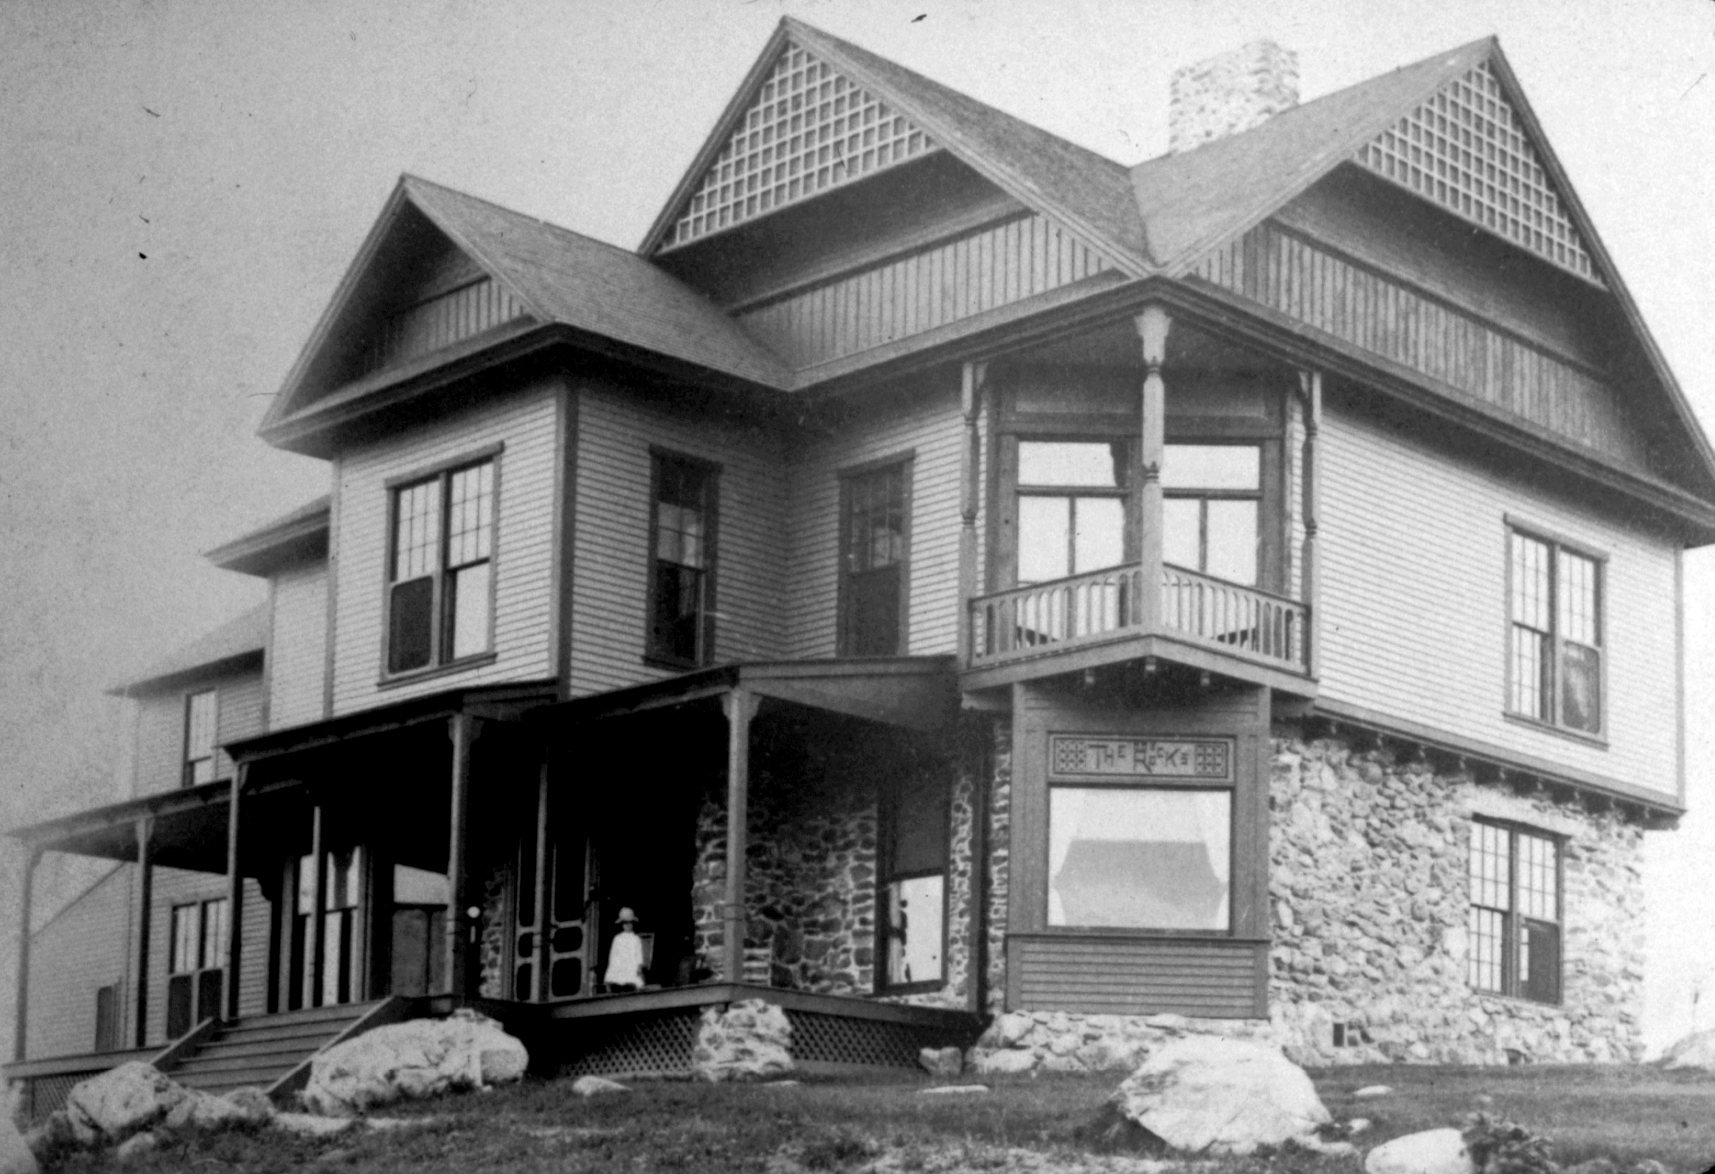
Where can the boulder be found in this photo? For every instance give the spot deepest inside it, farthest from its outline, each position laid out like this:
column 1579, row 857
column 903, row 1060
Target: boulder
column 16, row 1156
column 1010, row 1062
column 202, row 1110
column 1208, row 1094
column 52, row 1137
column 589, row 1086
column 748, row 1040
column 1696, row 1050
column 1434, row 1151
column 121, row 1101
column 135, row 1147
column 941, row 1061
column 421, row 1058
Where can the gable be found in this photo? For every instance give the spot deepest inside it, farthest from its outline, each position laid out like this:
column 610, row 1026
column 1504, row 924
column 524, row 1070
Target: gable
column 806, row 130
column 1468, row 149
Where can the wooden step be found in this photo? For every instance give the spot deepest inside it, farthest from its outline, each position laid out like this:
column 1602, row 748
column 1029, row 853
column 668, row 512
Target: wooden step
column 307, row 1015
column 232, row 1049
column 217, row 1082
column 239, row 1063
column 283, row 1031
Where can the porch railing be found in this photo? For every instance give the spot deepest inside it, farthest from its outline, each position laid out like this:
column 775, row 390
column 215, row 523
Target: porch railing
column 1064, row 614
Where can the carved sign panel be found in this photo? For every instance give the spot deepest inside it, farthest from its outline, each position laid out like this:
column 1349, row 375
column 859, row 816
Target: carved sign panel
column 1119, row 756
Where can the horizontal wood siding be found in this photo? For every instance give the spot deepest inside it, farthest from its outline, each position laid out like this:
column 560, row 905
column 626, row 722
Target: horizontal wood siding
column 240, row 716
column 525, row 422
column 1361, row 306
column 176, row 887
column 929, row 425
column 297, row 654
column 610, row 563
column 71, row 957
column 953, row 280
column 160, row 745
column 1414, row 610
column 1130, row 976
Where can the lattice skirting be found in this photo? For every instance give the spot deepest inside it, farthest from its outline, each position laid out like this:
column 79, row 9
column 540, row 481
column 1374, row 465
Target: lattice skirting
column 42, row 1095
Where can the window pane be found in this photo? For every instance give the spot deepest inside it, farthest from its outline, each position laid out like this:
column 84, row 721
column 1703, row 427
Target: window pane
column 1530, row 672
column 417, row 530
column 1539, row 961
column 915, row 918
column 1232, row 541
column 470, row 526
column 680, row 513
column 1581, row 686
column 199, row 725
column 1537, row 879
column 183, row 955
column 919, row 826
column 1211, row 466
column 306, row 884
column 1081, row 463
column 1181, row 537
column 411, row 621
column 469, row 600
column 1483, row 961
column 1530, row 599
column 1043, row 527
column 678, row 611
column 1489, row 868
column 1100, row 537
column 213, row 934
column 1141, row 859
column 872, row 613
column 875, row 519
column 416, row 886
column 1578, row 599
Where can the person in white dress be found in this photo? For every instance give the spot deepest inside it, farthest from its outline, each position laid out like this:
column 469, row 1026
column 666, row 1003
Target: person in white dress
column 625, row 955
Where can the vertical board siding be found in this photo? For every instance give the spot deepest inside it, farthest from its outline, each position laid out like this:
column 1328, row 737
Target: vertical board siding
column 297, row 654
column 956, row 279
column 71, row 957
column 610, row 565
column 1413, row 604
column 1120, row 976
column 440, row 321
column 526, row 422
column 932, row 427
column 1291, row 275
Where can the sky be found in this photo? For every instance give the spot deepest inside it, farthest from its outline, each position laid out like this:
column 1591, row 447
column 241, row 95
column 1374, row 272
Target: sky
column 182, row 186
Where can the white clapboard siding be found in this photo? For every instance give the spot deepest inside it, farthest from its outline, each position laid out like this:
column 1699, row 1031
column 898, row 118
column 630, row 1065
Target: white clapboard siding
column 161, row 728
column 172, row 887
column 79, row 951
column 240, row 716
column 297, row 652
column 526, row 422
column 930, row 426
column 1413, row 602
column 610, row 562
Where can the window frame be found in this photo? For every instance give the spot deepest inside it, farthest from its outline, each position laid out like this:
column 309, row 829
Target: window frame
column 653, row 653
column 886, row 875
column 441, row 618
column 198, row 911
column 1512, row 986
column 187, row 764
column 905, row 463
column 1557, row 544
column 1260, row 495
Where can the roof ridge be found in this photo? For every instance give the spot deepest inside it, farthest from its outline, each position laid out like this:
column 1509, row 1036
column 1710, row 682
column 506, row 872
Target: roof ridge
column 409, row 180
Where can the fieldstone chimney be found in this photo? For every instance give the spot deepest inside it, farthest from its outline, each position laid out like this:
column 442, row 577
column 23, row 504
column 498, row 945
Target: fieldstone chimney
column 1229, row 93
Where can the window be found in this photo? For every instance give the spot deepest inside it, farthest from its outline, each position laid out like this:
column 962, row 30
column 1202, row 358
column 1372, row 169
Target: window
column 681, row 544
column 1555, row 634
column 1514, row 928
column 914, row 883
column 196, row 958
column 441, row 569
column 201, row 721
column 107, row 1018
column 1072, row 506
column 1139, row 857
column 873, row 519
column 1212, row 495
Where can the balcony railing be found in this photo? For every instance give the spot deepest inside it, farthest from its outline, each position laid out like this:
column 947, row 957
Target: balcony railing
column 1082, row 610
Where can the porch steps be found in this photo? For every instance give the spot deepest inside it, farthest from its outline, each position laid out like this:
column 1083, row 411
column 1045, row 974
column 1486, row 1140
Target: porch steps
column 260, row 1049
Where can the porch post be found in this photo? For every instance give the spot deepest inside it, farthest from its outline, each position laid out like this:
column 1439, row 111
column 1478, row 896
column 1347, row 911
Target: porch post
column 142, row 911
column 739, row 705
column 972, row 379
column 462, row 729
column 544, row 891
column 26, row 894
column 234, row 897
column 1310, row 387
column 1152, row 327
column 312, row 971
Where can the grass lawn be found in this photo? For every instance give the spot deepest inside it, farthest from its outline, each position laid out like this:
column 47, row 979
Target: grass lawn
column 1022, row 1124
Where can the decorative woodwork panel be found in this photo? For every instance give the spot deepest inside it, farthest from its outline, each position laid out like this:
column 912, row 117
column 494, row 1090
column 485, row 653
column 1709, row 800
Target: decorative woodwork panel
column 957, row 279
column 1331, row 293
column 1110, row 975
column 440, row 320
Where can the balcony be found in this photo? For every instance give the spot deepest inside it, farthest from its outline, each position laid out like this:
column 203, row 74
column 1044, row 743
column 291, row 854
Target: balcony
column 1102, row 618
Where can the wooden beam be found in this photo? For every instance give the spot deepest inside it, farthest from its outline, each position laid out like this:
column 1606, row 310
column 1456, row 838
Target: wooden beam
column 142, row 911
column 1152, row 326
column 740, row 707
column 234, row 897
column 311, row 968
column 463, row 730
column 21, row 1007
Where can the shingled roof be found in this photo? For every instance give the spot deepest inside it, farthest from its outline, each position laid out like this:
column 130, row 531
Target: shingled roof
column 234, row 643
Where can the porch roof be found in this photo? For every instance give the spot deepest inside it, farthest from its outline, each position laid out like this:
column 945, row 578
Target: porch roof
column 189, row 829
column 916, row 692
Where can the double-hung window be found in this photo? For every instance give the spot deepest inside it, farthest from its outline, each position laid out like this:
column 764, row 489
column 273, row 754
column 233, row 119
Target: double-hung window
column 1554, row 633
column 1072, row 507
column 873, row 520
column 196, row 960
column 682, row 559
column 1212, row 497
column 914, row 883
column 1514, row 930
column 202, row 711
column 440, row 572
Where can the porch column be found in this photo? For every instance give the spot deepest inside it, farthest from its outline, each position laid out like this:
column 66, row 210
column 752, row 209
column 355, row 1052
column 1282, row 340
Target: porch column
column 740, row 707
column 234, row 897
column 26, row 895
column 1310, row 388
column 972, row 379
column 1152, row 327
column 142, row 910
column 463, row 730
column 313, row 939
column 544, row 891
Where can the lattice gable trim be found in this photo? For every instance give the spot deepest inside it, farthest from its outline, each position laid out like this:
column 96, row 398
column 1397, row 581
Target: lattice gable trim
column 1468, row 150
column 808, row 129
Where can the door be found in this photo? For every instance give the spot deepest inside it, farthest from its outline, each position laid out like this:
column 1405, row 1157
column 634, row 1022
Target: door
column 570, row 922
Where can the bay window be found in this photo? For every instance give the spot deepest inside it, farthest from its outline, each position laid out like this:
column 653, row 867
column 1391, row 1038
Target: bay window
column 1129, row 857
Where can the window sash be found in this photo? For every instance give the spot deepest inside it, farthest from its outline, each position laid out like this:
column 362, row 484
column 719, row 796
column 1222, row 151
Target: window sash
column 1514, row 918
column 201, row 722
column 1554, row 653
column 682, row 554
column 440, row 591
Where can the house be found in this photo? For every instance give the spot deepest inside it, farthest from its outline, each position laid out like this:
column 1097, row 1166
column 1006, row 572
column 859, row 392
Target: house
column 943, row 579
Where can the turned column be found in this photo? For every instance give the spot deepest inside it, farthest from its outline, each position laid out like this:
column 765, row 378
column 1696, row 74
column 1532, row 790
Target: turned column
column 740, row 707
column 1152, row 327
column 973, row 376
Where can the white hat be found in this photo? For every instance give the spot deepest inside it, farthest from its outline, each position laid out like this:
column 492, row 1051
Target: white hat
column 625, row 914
